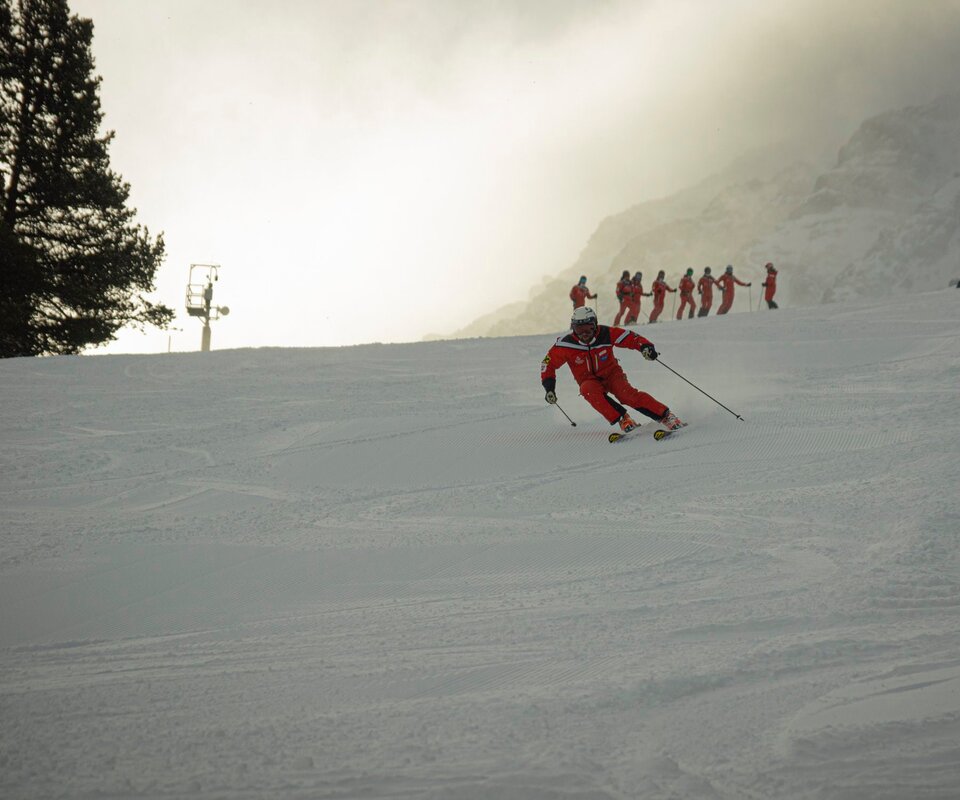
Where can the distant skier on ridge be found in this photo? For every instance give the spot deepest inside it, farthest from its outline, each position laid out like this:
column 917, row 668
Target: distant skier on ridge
column 588, row 351
column 659, row 289
column 686, row 295
column 770, row 286
column 624, row 292
column 634, row 312
column 726, row 283
column 579, row 294
column 705, row 290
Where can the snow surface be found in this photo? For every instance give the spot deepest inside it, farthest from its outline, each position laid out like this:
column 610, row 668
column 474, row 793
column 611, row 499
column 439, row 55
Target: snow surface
column 394, row 571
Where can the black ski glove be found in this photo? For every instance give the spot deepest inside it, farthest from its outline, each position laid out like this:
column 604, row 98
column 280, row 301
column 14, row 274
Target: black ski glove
column 649, row 352
column 551, row 397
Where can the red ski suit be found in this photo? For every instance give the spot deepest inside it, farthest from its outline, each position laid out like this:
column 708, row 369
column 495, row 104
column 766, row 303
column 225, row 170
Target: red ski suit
column 705, row 288
column 634, row 313
column 726, row 283
column 625, row 296
column 686, row 296
column 770, row 285
column 596, row 369
column 580, row 294
column 660, row 290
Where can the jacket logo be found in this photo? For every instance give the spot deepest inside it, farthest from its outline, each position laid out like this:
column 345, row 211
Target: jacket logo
column 578, row 360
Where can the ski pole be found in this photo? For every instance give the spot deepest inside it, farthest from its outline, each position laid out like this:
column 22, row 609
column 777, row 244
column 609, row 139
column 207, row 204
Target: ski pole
column 701, row 390
column 750, row 289
column 566, row 415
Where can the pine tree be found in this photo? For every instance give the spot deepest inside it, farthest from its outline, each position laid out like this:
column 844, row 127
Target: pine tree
column 74, row 266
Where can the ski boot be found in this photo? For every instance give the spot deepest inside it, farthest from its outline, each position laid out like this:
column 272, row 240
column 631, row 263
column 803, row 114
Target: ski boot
column 671, row 421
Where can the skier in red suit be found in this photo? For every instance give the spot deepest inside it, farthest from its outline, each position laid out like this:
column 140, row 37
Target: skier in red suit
column 634, row 312
column 727, row 283
column 686, row 295
column 770, row 286
column 588, row 351
column 580, row 293
column 705, row 290
column 660, row 290
column 624, row 292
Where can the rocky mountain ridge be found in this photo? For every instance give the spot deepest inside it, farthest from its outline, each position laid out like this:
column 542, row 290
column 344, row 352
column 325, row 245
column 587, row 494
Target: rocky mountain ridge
column 883, row 218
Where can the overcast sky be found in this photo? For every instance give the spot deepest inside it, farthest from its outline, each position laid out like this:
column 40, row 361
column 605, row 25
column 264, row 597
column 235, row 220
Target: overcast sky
column 376, row 171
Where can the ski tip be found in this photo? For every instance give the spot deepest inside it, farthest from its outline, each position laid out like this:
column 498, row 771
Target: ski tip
column 660, row 435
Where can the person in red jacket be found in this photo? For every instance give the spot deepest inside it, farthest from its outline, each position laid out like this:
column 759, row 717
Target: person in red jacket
column 634, row 312
column 770, row 286
column 660, row 290
column 580, row 293
column 624, row 292
column 686, row 295
column 588, row 351
column 705, row 290
column 727, row 283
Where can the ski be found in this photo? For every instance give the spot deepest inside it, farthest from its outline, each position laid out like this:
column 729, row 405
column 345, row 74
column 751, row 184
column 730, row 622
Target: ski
column 659, row 434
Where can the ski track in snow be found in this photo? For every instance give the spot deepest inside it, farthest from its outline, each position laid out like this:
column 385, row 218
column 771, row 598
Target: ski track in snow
column 393, row 571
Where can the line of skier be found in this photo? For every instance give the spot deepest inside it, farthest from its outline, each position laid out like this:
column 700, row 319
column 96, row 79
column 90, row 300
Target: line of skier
column 629, row 290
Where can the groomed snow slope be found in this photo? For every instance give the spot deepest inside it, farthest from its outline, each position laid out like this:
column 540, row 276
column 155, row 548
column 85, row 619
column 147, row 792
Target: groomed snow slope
column 394, row 571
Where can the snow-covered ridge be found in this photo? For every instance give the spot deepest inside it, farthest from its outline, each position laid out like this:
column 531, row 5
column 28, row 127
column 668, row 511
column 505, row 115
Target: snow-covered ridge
column 394, row 571
column 884, row 218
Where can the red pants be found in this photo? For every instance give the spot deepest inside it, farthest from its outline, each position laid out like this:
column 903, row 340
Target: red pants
column 624, row 306
column 594, row 391
column 705, row 302
column 725, row 304
column 684, row 301
column 657, row 308
column 633, row 312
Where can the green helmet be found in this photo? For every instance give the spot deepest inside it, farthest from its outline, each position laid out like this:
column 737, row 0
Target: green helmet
column 689, row 272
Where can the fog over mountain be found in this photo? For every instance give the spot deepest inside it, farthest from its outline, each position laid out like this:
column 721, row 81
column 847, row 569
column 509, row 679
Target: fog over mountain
column 881, row 216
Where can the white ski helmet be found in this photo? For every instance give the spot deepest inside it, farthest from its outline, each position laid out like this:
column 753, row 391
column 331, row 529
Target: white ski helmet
column 582, row 317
